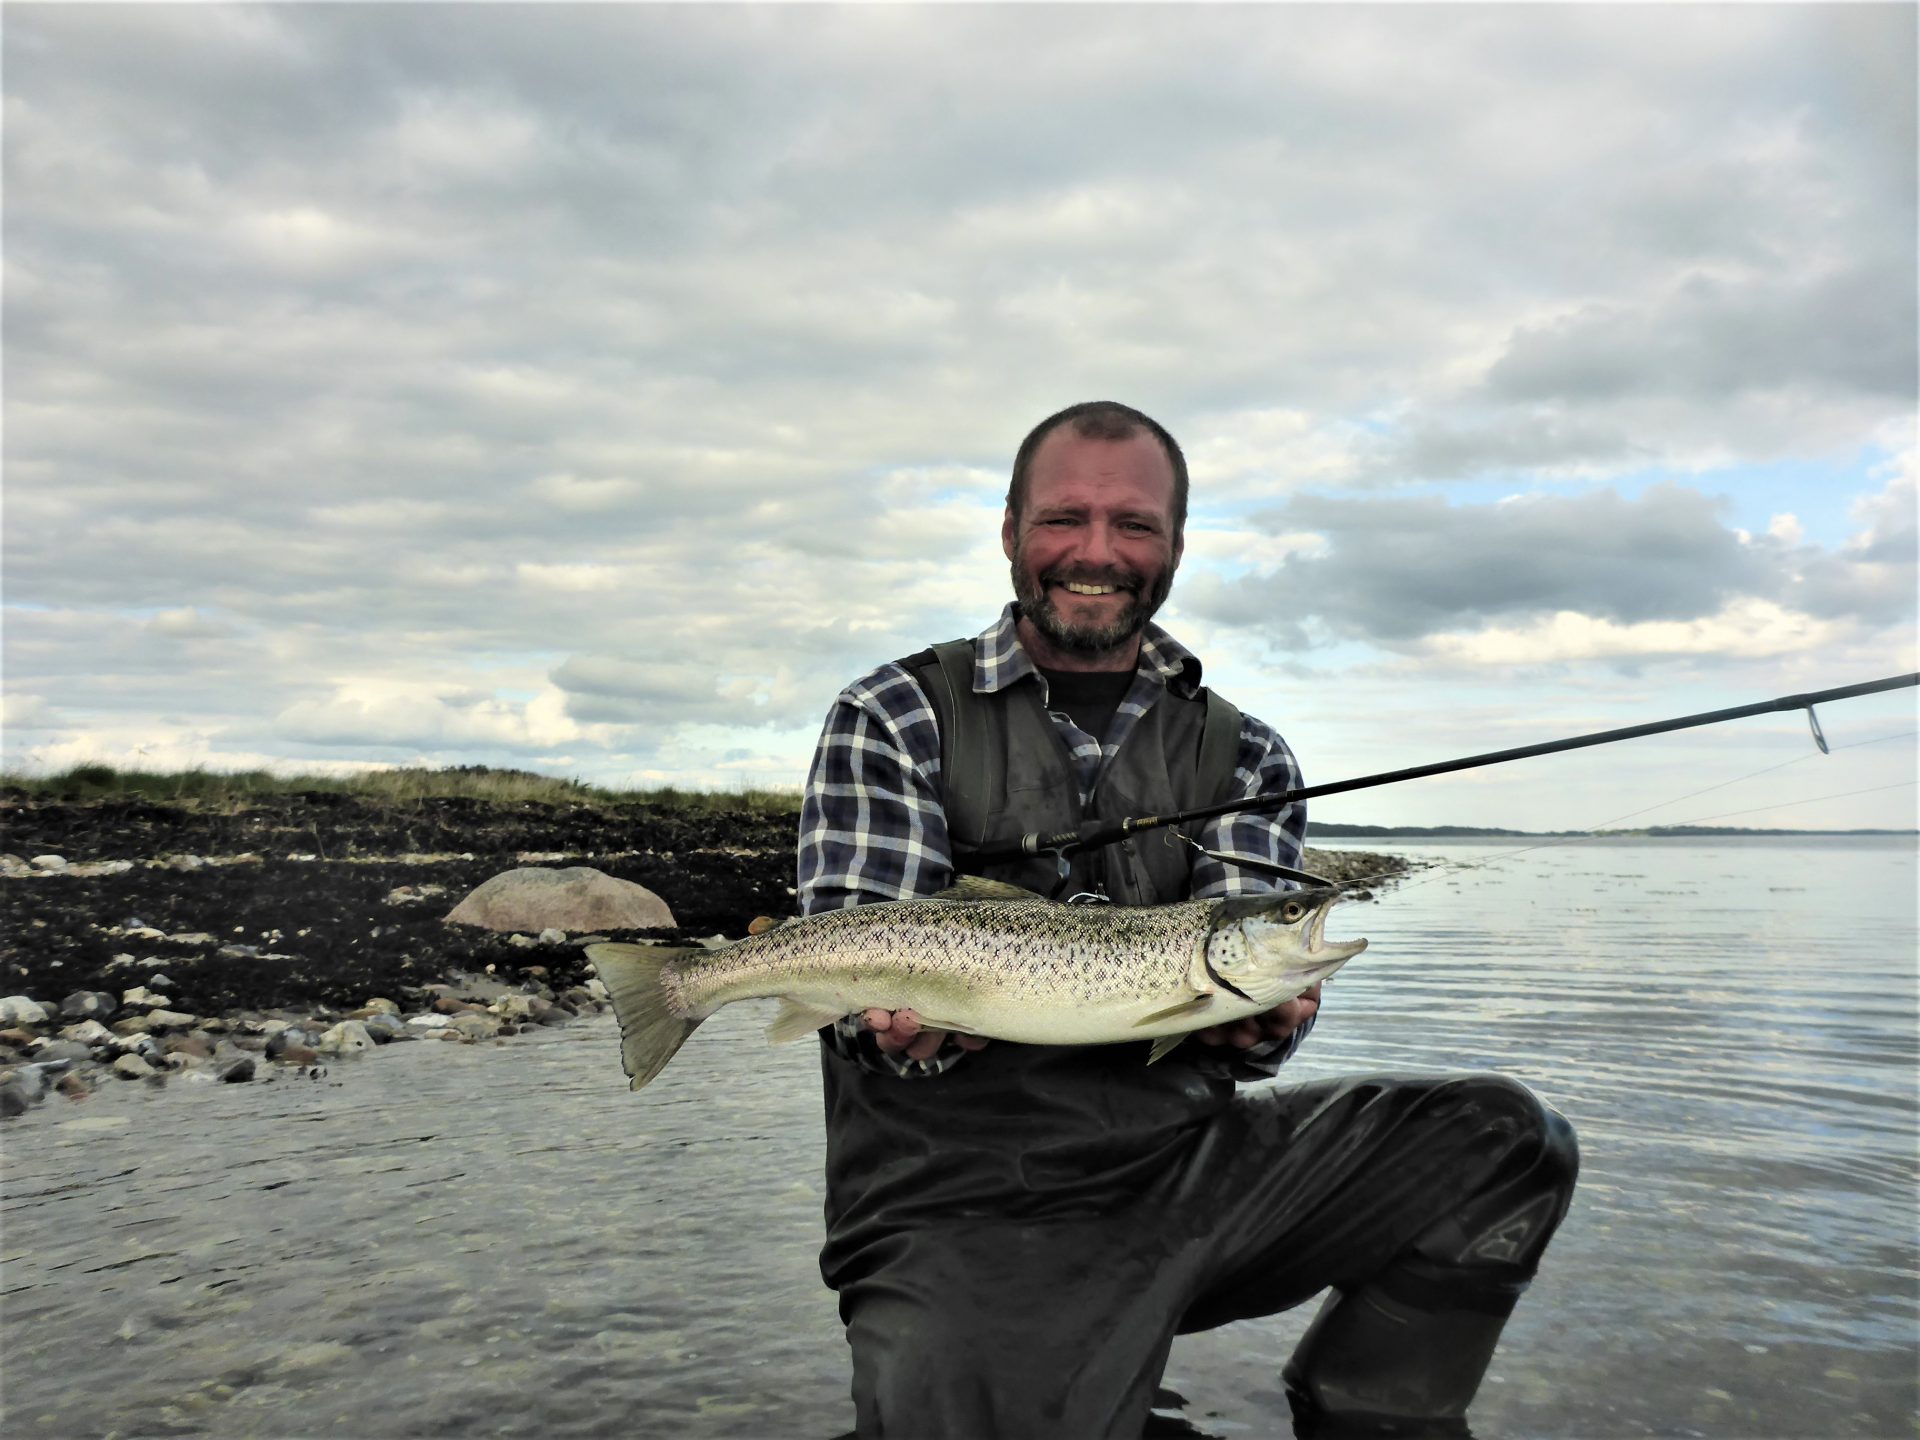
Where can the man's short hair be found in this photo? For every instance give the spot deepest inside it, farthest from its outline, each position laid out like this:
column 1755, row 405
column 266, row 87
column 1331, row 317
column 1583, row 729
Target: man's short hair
column 1099, row 420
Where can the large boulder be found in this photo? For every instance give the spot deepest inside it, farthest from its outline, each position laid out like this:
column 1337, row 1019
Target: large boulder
column 577, row 899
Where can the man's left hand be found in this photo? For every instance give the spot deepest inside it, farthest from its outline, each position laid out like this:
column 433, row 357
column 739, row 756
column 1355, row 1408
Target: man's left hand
column 1275, row 1024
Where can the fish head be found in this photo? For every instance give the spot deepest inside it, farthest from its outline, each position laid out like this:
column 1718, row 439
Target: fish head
column 1269, row 948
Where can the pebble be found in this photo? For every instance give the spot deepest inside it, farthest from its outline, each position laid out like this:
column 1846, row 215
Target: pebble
column 237, row 1071
column 349, row 1037
column 53, row 863
column 284, row 1038
column 89, row 1005
column 132, row 1067
column 72, row 1050
column 140, row 996
column 19, row 1010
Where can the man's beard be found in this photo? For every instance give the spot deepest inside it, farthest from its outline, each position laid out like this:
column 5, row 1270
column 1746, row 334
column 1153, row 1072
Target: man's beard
column 1088, row 641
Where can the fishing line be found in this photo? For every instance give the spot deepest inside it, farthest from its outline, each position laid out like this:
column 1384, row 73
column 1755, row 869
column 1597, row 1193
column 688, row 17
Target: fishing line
column 1596, row 831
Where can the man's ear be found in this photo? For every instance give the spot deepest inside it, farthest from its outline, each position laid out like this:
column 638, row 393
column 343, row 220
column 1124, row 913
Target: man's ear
column 1006, row 532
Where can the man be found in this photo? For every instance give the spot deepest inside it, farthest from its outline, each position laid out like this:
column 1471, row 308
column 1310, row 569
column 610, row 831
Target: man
column 1017, row 1232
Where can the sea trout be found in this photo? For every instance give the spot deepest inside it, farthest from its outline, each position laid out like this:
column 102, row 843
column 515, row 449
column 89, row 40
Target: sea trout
column 988, row 959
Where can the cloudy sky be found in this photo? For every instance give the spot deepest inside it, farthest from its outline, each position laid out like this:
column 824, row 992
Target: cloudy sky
column 596, row 389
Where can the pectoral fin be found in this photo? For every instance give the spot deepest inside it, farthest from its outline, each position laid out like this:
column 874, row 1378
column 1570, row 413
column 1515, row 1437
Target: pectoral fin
column 1180, row 1010
column 796, row 1021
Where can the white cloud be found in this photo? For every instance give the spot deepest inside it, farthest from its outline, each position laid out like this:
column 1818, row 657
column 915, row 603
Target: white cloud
column 1745, row 629
column 368, row 386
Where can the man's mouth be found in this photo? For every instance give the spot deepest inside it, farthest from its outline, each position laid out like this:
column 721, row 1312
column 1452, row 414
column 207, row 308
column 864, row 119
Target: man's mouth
column 1078, row 587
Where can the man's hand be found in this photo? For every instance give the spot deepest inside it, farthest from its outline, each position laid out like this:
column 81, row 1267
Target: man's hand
column 898, row 1030
column 1276, row 1024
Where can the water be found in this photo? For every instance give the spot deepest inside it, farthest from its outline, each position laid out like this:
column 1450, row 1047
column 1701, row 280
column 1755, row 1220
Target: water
column 452, row 1241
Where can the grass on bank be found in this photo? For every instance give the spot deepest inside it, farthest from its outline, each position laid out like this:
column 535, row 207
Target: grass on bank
column 221, row 788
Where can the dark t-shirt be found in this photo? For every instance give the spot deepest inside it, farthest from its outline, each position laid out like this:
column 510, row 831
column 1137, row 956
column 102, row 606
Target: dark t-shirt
column 1088, row 697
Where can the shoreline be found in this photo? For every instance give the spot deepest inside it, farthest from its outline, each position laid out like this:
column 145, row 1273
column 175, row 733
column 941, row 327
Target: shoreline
column 146, row 941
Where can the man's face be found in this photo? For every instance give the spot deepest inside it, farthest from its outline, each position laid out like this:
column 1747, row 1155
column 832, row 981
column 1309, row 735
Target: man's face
column 1094, row 550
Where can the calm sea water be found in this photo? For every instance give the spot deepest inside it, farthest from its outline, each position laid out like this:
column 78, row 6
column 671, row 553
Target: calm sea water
column 450, row 1241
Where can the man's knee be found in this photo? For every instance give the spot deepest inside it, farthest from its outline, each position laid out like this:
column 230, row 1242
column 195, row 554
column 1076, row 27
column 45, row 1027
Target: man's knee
column 1542, row 1141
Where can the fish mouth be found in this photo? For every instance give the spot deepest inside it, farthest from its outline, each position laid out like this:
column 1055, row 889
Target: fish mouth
column 1323, row 954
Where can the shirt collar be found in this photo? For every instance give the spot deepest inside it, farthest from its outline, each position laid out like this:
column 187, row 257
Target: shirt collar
column 999, row 659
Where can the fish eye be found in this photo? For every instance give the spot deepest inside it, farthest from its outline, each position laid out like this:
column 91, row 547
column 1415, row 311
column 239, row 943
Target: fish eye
column 1292, row 911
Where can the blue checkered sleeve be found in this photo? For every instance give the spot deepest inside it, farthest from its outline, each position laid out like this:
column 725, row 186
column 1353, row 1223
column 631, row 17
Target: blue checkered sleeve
column 871, row 822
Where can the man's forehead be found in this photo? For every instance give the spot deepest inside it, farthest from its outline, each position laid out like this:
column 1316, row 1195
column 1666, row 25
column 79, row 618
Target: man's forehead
column 1067, row 460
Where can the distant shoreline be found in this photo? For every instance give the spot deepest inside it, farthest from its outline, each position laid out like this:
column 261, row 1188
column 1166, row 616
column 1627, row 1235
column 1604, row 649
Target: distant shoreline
column 1470, row 832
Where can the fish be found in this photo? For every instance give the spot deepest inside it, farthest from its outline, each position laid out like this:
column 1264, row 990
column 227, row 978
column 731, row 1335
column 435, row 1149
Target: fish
column 984, row 958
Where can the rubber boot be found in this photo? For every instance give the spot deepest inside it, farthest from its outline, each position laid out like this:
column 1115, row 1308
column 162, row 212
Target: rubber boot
column 1371, row 1364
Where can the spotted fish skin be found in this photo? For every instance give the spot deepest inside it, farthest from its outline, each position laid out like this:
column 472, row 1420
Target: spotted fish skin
column 989, row 961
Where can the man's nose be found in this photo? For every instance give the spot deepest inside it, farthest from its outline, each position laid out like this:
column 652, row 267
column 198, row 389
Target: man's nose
column 1099, row 544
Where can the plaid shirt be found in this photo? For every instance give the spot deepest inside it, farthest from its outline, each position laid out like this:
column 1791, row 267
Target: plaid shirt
column 872, row 826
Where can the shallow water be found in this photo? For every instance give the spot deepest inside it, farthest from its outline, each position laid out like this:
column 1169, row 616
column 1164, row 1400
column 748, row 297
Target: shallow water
column 449, row 1241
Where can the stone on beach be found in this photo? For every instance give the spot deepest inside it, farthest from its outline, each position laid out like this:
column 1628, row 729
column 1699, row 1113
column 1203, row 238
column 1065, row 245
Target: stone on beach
column 19, row 1010
column 576, row 899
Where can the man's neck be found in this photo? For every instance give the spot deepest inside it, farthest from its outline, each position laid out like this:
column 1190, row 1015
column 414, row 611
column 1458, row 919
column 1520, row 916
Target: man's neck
column 1125, row 656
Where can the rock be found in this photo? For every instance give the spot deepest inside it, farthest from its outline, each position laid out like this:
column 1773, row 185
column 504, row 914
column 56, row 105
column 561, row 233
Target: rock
column 141, row 998
column 540, row 972
column 349, row 1037
column 13, row 1099
column 513, row 1007
column 73, row 1050
column 87, row 1032
column 237, row 1071
column 29, row 1080
column 157, row 981
column 17, row 1038
column 159, row 1020
column 299, row 1055
column 74, row 1085
column 50, row 864
column 89, row 1005
column 19, row 1010
column 198, row 1043
column 552, row 936
column 428, row 1022
column 185, row 862
column 132, row 1067
column 379, row 1005
column 597, row 988
column 413, row 894
column 384, row 1027
column 575, row 899
column 286, row 1035
column 475, row 1025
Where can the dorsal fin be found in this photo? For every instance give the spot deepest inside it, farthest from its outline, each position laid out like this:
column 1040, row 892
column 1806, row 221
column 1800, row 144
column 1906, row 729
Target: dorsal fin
column 978, row 887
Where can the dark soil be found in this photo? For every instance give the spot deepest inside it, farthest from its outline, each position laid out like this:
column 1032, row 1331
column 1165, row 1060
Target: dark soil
column 327, row 918
column 329, row 915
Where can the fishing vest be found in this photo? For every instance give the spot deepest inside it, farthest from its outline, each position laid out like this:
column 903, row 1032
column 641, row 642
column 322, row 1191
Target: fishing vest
column 1006, row 772
column 1030, row 1132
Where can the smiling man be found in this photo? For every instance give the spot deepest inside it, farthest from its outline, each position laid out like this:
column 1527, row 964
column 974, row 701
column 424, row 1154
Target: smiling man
column 1017, row 1232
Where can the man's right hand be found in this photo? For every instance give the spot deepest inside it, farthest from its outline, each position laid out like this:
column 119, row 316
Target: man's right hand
column 895, row 1031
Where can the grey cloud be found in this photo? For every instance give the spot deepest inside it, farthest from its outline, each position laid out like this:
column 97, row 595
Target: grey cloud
column 1715, row 338
column 1396, row 570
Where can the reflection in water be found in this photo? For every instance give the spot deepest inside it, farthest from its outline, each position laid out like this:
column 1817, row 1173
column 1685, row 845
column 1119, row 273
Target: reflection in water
column 444, row 1241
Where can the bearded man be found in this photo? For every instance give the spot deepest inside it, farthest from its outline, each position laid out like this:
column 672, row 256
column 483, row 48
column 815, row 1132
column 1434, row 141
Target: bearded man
column 1017, row 1232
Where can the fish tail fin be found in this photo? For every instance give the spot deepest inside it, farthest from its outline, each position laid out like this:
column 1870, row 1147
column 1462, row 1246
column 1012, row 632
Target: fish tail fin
column 651, row 1030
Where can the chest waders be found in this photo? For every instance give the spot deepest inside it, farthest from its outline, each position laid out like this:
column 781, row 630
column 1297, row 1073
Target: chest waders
column 1016, row 1241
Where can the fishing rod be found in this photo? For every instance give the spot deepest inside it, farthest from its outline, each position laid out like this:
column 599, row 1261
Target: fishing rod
column 1092, row 834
